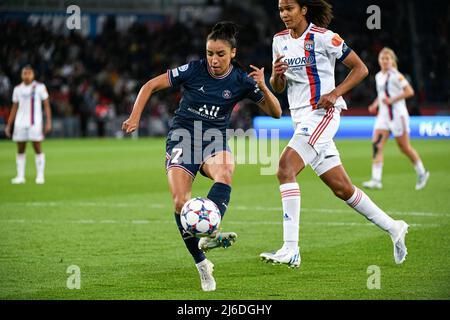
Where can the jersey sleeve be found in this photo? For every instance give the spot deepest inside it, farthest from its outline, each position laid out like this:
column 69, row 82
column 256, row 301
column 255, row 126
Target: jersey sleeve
column 182, row 74
column 335, row 46
column 15, row 96
column 255, row 94
column 275, row 51
column 402, row 81
column 43, row 92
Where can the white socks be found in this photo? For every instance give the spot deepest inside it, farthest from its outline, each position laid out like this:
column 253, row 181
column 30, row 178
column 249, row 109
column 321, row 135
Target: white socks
column 20, row 165
column 420, row 169
column 290, row 197
column 40, row 165
column 377, row 171
column 21, row 161
column 362, row 204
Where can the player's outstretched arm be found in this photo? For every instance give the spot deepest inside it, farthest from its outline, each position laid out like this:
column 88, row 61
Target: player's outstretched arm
column 154, row 85
column 270, row 105
column 358, row 71
column 11, row 118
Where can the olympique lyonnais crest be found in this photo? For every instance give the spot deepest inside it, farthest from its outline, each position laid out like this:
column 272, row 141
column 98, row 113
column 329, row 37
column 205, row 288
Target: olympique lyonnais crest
column 309, row 45
column 226, row 94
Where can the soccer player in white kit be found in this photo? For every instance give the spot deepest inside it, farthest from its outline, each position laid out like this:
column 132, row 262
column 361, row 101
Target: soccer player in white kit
column 392, row 89
column 304, row 60
column 26, row 114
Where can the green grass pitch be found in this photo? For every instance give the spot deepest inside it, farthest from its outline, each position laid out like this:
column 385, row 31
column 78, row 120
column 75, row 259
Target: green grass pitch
column 106, row 208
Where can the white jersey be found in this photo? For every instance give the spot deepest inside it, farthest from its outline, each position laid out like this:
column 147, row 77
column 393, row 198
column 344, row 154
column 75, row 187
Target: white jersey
column 390, row 85
column 29, row 99
column 311, row 59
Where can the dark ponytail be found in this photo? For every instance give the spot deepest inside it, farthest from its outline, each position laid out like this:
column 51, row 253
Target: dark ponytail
column 320, row 12
column 226, row 31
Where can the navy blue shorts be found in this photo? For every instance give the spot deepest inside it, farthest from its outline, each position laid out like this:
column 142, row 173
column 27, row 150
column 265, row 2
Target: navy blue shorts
column 190, row 154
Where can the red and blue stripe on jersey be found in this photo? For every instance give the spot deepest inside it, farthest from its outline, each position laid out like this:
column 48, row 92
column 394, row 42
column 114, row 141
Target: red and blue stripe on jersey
column 312, row 72
column 386, row 91
column 33, row 89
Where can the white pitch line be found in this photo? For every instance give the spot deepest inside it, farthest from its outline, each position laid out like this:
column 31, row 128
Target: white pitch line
column 156, row 222
column 237, row 208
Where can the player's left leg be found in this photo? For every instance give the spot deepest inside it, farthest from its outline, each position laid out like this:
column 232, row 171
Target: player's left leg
column 20, row 163
column 219, row 168
column 180, row 184
column 379, row 139
column 405, row 147
column 40, row 162
column 339, row 182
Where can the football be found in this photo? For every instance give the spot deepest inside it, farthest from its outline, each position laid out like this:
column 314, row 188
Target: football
column 200, row 216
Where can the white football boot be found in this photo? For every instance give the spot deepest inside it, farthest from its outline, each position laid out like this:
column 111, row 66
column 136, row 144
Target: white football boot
column 283, row 256
column 205, row 269
column 422, row 180
column 217, row 240
column 398, row 239
column 18, row 180
column 40, row 180
column 372, row 184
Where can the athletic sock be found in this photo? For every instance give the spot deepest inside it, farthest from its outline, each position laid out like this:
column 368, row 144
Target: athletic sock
column 290, row 197
column 40, row 164
column 20, row 165
column 365, row 206
column 220, row 194
column 190, row 241
column 377, row 171
column 420, row 169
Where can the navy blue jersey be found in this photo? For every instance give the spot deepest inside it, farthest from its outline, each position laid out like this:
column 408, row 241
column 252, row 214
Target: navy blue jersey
column 208, row 98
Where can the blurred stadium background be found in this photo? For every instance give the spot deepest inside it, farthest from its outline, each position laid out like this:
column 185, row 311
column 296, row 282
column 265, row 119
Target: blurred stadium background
column 94, row 74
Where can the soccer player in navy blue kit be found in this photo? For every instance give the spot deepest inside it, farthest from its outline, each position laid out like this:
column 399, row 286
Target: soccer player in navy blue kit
column 197, row 140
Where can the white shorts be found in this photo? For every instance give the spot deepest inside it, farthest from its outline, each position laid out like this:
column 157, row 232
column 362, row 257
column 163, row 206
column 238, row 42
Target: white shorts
column 33, row 133
column 398, row 126
column 313, row 137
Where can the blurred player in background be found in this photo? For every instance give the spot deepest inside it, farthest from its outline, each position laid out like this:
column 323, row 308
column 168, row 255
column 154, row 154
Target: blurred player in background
column 304, row 58
column 212, row 87
column 26, row 115
column 393, row 117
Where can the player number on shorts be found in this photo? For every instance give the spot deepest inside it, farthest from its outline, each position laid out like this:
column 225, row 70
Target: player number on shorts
column 176, row 154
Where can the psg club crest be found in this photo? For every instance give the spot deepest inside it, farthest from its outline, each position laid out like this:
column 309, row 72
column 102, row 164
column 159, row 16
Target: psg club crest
column 183, row 68
column 309, row 45
column 226, row 94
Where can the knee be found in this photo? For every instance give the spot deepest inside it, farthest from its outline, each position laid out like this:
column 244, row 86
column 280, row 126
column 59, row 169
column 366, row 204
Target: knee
column 344, row 190
column 225, row 175
column 285, row 172
column 377, row 148
column 179, row 201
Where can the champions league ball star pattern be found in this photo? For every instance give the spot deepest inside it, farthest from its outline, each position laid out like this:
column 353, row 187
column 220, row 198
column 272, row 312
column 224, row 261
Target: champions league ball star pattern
column 200, row 216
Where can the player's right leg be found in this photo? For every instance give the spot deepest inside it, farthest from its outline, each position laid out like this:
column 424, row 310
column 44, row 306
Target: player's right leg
column 219, row 167
column 180, row 183
column 20, row 163
column 405, row 147
column 380, row 137
column 290, row 165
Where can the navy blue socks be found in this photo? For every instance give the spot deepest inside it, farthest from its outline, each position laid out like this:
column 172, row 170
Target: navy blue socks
column 190, row 241
column 220, row 195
